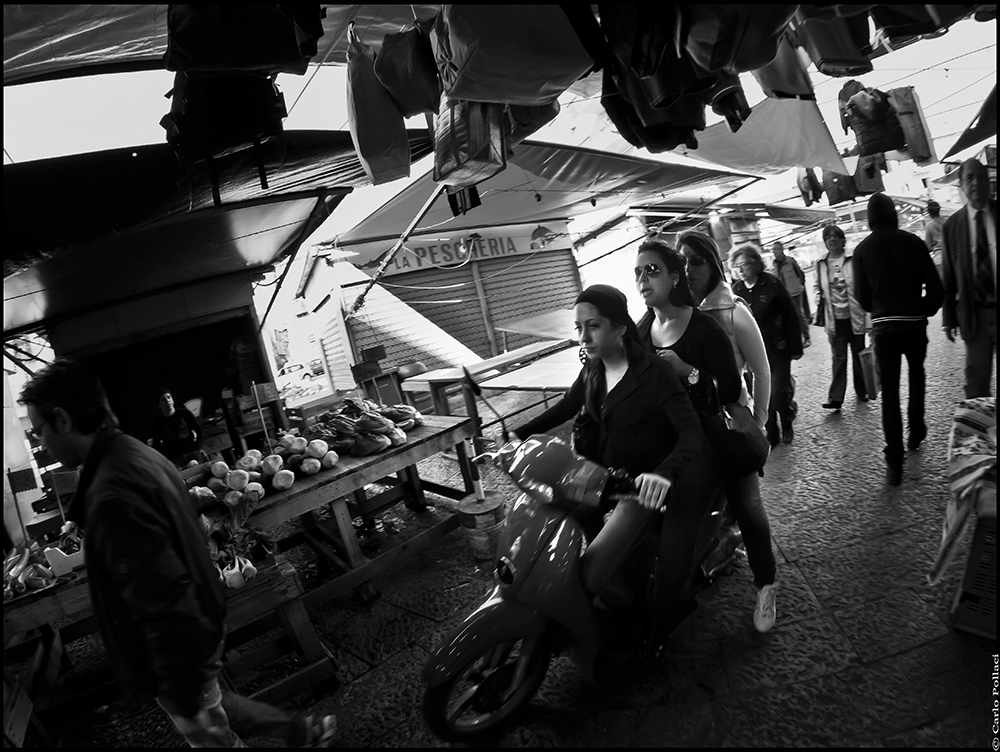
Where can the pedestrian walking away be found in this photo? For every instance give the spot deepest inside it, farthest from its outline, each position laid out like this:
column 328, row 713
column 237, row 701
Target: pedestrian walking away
column 156, row 595
column 970, row 275
column 895, row 280
column 712, row 295
column 846, row 323
column 790, row 274
column 779, row 325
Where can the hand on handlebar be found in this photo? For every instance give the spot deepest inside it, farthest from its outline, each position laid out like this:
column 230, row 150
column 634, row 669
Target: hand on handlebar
column 653, row 490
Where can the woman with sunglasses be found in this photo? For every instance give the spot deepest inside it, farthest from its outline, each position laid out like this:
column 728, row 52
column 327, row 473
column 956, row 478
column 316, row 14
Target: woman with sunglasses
column 696, row 348
column 631, row 412
column 707, row 279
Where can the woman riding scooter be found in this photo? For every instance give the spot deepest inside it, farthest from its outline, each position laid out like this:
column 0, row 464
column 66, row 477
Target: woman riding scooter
column 699, row 351
column 632, row 413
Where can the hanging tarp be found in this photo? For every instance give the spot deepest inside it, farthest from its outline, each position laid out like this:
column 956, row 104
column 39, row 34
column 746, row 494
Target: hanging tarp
column 542, row 182
column 780, row 134
column 983, row 125
column 131, row 222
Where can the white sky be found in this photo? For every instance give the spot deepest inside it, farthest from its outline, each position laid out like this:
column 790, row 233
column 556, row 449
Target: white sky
column 952, row 76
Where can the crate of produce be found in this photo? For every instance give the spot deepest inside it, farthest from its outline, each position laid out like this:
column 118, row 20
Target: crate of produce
column 977, row 601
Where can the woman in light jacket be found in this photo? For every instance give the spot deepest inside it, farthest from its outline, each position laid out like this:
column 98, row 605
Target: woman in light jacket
column 712, row 294
column 845, row 321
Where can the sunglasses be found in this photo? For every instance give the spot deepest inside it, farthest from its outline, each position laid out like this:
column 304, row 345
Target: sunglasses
column 696, row 260
column 650, row 270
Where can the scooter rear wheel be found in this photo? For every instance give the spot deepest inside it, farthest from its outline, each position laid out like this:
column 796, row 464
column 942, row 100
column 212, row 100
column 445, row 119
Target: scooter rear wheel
column 489, row 689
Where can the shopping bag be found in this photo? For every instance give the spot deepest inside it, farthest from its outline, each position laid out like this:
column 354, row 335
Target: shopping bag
column 869, row 369
column 376, row 124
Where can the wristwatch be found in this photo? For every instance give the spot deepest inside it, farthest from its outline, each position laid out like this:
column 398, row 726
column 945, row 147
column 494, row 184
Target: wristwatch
column 694, row 376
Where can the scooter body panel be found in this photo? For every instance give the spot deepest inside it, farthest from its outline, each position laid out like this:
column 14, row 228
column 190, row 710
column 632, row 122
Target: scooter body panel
column 497, row 619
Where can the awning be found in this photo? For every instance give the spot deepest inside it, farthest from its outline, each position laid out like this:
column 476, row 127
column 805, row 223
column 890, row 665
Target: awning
column 542, row 182
column 46, row 42
column 91, row 230
column 983, row 125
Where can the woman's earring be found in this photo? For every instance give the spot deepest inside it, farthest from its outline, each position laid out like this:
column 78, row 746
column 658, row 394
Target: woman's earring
column 583, row 355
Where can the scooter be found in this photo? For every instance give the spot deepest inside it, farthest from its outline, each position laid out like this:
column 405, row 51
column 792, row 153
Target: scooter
column 490, row 666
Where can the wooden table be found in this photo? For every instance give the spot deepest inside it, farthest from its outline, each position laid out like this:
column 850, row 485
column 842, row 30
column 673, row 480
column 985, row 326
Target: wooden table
column 339, row 546
column 273, row 595
column 437, row 382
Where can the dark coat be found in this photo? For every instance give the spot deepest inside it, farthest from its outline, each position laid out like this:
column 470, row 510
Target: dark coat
column 958, row 268
column 894, row 276
column 155, row 592
column 776, row 316
column 646, row 425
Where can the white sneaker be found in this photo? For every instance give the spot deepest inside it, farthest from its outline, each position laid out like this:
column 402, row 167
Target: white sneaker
column 764, row 614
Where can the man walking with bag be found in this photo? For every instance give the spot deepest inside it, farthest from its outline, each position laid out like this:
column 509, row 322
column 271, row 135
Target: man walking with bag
column 970, row 274
column 895, row 280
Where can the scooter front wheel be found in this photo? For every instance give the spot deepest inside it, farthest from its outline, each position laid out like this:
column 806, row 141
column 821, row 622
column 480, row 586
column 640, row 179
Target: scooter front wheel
column 489, row 689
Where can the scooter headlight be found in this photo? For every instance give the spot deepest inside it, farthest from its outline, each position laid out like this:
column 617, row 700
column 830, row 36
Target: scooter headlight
column 505, row 572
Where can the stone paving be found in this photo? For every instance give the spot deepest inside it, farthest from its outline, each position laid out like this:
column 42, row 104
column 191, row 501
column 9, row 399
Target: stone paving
column 863, row 653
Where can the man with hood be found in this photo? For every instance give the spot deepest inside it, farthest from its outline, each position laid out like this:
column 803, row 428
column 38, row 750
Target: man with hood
column 896, row 281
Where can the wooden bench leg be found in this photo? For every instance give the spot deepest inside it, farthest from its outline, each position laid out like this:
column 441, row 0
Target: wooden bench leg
column 355, row 557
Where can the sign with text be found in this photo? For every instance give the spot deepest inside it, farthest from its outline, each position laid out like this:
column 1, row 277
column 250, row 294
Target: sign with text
column 455, row 250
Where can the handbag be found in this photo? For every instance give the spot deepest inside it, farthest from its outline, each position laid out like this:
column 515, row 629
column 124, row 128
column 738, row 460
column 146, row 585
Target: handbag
column 738, row 440
column 820, row 319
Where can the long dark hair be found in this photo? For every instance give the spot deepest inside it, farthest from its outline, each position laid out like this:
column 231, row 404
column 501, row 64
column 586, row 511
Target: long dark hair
column 703, row 245
column 675, row 262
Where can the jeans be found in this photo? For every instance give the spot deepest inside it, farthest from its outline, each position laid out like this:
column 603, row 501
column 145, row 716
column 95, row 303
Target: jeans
column 601, row 563
column 690, row 499
column 223, row 711
column 890, row 348
column 842, row 337
column 781, row 395
column 748, row 508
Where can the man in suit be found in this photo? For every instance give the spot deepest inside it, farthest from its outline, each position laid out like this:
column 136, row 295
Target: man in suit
column 970, row 272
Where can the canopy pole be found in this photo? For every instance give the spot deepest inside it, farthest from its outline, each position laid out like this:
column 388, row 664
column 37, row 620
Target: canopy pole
column 685, row 214
column 360, row 300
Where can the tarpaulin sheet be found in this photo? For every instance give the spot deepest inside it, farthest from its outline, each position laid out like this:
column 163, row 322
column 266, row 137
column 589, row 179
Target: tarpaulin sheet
column 542, row 182
column 779, row 135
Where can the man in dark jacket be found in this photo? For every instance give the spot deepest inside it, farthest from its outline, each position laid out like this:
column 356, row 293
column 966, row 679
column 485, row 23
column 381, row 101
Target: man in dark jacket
column 895, row 280
column 155, row 592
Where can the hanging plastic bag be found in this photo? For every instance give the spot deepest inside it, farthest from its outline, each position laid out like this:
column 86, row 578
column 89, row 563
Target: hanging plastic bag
column 469, row 142
column 376, row 124
column 513, row 54
column 405, row 66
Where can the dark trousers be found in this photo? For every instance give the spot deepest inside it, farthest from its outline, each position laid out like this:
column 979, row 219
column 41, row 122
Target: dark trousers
column 747, row 506
column 890, row 348
column 781, row 395
column 690, row 498
column 843, row 337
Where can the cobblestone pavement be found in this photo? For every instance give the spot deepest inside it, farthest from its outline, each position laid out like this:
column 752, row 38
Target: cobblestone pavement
column 863, row 653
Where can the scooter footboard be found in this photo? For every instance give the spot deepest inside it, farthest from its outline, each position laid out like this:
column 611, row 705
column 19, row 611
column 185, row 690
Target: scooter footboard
column 495, row 620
